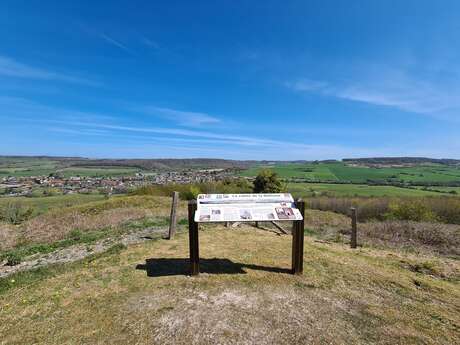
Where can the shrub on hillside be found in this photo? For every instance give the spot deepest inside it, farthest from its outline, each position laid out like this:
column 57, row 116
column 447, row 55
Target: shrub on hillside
column 442, row 209
column 414, row 210
column 447, row 209
column 368, row 208
column 267, row 181
column 442, row 238
column 191, row 193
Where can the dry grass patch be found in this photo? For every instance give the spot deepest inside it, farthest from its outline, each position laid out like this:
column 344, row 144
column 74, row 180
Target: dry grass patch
column 56, row 224
column 321, row 219
column 421, row 237
column 9, row 235
column 344, row 297
column 442, row 238
column 50, row 227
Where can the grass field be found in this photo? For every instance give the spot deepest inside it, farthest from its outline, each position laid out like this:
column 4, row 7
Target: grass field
column 26, row 166
column 55, row 218
column 34, row 166
column 444, row 189
column 44, row 204
column 400, row 287
column 338, row 171
column 350, row 190
column 97, row 171
column 140, row 295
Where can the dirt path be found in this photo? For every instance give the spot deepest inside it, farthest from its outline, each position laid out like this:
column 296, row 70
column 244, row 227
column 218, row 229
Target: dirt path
column 80, row 251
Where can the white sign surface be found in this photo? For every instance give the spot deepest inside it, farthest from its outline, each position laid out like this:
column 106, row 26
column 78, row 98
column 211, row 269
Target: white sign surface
column 245, row 208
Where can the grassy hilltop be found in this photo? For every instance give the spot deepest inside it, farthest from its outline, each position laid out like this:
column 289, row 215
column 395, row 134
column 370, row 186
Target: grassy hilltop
column 94, row 268
column 401, row 286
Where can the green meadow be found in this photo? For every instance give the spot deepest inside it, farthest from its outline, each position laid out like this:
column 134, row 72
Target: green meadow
column 44, row 204
column 26, row 166
column 37, row 166
column 97, row 171
column 340, row 172
column 350, row 190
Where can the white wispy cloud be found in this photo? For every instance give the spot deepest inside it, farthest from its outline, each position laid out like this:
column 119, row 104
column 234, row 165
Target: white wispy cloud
column 16, row 107
column 184, row 118
column 87, row 132
column 147, row 141
column 148, row 42
column 234, row 139
column 25, row 110
column 115, row 42
column 12, row 68
column 392, row 88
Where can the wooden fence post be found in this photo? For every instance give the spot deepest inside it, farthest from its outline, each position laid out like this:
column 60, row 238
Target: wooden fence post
column 354, row 228
column 297, row 240
column 173, row 218
column 193, row 239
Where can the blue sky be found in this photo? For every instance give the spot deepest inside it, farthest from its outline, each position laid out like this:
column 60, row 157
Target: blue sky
column 230, row 79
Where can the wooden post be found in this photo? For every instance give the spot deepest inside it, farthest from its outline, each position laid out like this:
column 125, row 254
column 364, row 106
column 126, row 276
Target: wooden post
column 257, row 224
column 354, row 228
column 193, row 239
column 173, row 218
column 297, row 240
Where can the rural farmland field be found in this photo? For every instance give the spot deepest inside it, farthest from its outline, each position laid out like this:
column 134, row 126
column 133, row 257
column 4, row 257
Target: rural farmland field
column 313, row 189
column 341, row 172
column 33, row 166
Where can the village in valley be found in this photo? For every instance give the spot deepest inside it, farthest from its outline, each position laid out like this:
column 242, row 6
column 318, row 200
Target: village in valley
column 57, row 184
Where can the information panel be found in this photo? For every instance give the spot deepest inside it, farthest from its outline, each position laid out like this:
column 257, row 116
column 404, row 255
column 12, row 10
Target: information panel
column 245, row 208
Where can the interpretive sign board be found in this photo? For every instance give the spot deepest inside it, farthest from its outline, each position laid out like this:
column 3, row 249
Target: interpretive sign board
column 246, row 208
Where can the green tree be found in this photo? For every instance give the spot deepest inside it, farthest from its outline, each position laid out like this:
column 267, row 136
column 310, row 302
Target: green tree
column 267, row 181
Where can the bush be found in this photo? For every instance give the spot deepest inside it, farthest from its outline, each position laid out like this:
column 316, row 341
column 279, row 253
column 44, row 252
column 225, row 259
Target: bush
column 443, row 209
column 191, row 194
column 267, row 182
column 15, row 212
column 368, row 208
column 442, row 238
column 447, row 209
column 414, row 210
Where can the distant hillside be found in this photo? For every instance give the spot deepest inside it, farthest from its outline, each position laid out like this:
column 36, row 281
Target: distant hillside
column 146, row 164
column 400, row 160
column 40, row 162
column 163, row 164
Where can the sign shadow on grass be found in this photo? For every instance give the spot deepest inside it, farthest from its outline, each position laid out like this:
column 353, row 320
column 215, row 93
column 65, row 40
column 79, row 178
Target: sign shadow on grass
column 160, row 267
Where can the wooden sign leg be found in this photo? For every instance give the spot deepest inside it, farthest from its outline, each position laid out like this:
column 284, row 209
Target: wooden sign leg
column 298, row 240
column 193, row 239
